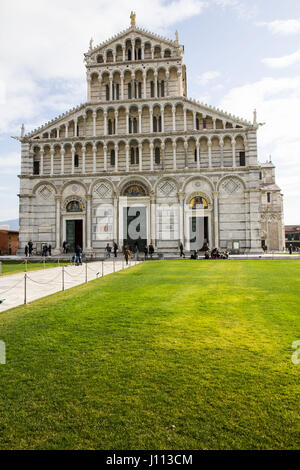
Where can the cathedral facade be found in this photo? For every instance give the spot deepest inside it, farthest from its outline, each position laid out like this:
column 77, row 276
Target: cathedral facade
column 139, row 162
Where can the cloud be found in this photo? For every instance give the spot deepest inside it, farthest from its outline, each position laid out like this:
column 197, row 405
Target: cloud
column 284, row 61
column 285, row 27
column 278, row 102
column 206, row 77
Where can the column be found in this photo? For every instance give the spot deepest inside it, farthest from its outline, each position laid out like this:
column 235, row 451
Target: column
column 140, row 121
column 115, row 229
column 116, row 157
column 75, row 127
column 155, row 85
column 57, row 132
column 174, row 118
column 42, row 162
column 88, row 223
column 110, row 88
column 62, row 161
column 174, row 155
column 185, row 154
column 105, row 123
column 163, row 119
column 83, row 159
column 124, row 53
column 140, row 157
column 181, row 216
column 194, row 119
column 209, row 155
column 132, row 86
column 198, row 155
column 151, row 156
column 127, row 157
column 163, row 155
column 167, row 83
column 214, row 123
column 152, row 52
column 152, row 219
column 73, row 159
column 67, row 130
column 151, row 120
column 116, row 122
column 84, row 124
column 89, row 83
column 52, row 162
column 122, row 87
column 105, row 157
column 94, row 158
column 100, row 87
column 216, row 218
column 94, row 123
column 58, row 241
column 179, row 74
column 127, row 121
column 184, row 120
column 233, row 153
column 145, row 85
column 143, row 51
column 222, row 153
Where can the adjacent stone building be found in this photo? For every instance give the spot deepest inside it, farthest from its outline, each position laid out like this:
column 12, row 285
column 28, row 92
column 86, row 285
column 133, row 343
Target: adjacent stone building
column 140, row 153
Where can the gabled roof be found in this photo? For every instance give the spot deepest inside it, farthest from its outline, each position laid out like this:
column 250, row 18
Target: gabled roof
column 133, row 29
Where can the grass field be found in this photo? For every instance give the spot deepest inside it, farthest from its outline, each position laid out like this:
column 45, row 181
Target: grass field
column 166, row 355
column 14, row 268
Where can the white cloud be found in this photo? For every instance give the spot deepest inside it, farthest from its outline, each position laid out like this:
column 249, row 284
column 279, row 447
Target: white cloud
column 278, row 103
column 206, row 77
column 42, row 45
column 284, row 61
column 285, row 27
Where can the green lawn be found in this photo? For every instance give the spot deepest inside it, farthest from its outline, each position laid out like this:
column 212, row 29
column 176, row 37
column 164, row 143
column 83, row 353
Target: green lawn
column 14, row 268
column 166, row 355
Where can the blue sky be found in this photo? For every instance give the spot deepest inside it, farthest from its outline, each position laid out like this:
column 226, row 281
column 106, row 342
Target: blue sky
column 240, row 55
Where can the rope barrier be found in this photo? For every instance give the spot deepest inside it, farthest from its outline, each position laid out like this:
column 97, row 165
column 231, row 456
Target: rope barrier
column 4, row 292
column 42, row 283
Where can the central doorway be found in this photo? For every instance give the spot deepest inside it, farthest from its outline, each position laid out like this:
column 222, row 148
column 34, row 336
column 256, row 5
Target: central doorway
column 74, row 234
column 135, row 227
column 198, row 232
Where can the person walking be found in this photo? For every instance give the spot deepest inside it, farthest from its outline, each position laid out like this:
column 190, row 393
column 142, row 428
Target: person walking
column 78, row 253
column 30, row 247
column 127, row 254
column 26, row 251
column 44, row 251
column 151, row 250
column 116, row 249
column 49, row 249
column 146, row 251
column 291, row 249
column 108, row 250
column 65, row 247
column 182, row 255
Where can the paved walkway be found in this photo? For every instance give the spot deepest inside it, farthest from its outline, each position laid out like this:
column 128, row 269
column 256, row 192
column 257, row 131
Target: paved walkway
column 48, row 281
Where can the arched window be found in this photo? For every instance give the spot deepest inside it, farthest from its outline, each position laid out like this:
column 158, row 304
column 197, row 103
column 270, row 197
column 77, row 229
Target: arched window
column 204, row 123
column 157, row 126
column 134, row 125
column 167, row 53
column 129, row 54
column 197, row 124
column 162, row 88
column 107, row 92
column 112, row 157
column 138, row 53
column 129, row 91
column 76, row 161
column 195, row 153
column 154, row 124
column 198, row 202
column 111, row 126
column 116, row 91
column 157, row 155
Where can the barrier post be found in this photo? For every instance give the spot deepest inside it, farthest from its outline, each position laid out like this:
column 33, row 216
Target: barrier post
column 114, row 267
column 63, row 278
column 86, row 272
column 0, row 268
column 44, row 262
column 102, row 268
column 25, row 289
column 25, row 265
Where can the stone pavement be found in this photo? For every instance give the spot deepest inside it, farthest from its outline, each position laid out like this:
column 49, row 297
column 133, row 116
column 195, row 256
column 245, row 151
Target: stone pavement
column 45, row 282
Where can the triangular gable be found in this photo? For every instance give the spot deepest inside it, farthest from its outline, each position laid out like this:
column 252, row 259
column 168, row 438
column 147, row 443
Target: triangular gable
column 140, row 31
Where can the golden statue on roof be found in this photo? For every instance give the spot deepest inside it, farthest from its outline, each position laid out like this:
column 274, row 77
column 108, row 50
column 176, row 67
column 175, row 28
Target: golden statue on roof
column 133, row 18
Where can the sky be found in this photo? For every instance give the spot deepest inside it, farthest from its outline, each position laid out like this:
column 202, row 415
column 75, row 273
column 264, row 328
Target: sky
column 240, row 55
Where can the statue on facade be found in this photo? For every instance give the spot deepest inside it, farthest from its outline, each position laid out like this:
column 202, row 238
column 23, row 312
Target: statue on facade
column 133, row 18
column 91, row 44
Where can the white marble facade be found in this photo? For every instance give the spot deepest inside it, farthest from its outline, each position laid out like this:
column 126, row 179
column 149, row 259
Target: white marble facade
column 140, row 142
